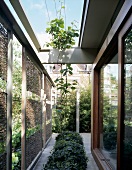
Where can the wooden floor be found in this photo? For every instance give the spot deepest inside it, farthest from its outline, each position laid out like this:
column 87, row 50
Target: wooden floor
column 87, row 144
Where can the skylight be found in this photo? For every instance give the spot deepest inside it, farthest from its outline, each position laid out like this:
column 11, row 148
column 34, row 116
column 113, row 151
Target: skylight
column 40, row 12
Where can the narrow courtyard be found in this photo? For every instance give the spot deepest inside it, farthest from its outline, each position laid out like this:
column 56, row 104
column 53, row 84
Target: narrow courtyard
column 87, row 144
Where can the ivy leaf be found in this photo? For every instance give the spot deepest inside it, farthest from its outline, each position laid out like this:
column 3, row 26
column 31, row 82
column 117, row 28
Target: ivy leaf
column 68, row 65
column 73, row 88
column 65, row 85
column 61, row 25
column 73, row 43
column 74, row 83
column 56, row 80
column 64, row 74
column 70, row 72
column 69, row 28
column 76, row 34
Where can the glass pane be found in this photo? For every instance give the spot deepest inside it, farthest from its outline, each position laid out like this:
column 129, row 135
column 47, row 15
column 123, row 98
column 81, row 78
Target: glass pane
column 128, row 102
column 108, row 110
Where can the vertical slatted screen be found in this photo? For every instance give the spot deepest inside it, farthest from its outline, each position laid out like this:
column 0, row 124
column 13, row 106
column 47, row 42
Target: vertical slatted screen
column 36, row 134
column 3, row 104
column 33, row 112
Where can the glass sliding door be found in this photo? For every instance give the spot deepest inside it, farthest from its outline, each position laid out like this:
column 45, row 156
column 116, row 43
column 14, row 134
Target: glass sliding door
column 127, row 141
column 108, row 110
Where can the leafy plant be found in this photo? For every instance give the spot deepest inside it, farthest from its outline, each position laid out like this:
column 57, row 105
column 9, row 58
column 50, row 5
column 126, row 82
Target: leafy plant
column 16, row 160
column 61, row 38
column 85, row 109
column 110, row 137
column 66, row 112
column 62, row 83
column 67, row 154
column 128, row 148
column 31, row 131
column 70, row 136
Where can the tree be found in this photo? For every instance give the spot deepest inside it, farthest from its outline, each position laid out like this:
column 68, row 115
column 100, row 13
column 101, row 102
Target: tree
column 62, row 38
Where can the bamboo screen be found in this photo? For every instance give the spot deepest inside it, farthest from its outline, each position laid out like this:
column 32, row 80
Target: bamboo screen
column 33, row 112
column 3, row 104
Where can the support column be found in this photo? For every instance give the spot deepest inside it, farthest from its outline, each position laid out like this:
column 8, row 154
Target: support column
column 44, row 108
column 43, row 112
column 77, row 110
column 23, row 133
column 9, row 100
column 42, row 98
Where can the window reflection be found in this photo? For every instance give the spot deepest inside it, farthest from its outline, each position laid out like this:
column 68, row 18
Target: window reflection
column 127, row 156
column 108, row 111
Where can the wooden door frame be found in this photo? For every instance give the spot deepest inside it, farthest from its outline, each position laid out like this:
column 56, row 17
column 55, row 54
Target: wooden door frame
column 108, row 49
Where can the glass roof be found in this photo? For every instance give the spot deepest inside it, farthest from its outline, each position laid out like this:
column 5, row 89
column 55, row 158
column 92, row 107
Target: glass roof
column 40, row 12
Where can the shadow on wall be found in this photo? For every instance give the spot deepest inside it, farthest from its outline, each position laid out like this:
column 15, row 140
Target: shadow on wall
column 74, row 55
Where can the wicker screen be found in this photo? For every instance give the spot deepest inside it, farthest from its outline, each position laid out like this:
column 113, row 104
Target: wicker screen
column 48, row 110
column 33, row 112
column 3, row 105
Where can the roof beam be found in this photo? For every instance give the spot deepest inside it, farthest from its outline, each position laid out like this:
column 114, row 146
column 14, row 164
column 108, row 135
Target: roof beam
column 73, row 56
column 83, row 22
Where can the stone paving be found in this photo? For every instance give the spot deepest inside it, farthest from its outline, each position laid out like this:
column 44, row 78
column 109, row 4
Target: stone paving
column 87, row 144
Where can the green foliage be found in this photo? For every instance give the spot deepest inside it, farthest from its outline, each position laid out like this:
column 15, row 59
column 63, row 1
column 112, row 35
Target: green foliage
column 67, row 154
column 67, row 112
column 64, row 116
column 62, row 83
column 2, row 84
column 16, row 160
column 16, row 139
column 128, row 148
column 70, row 136
column 16, row 115
column 85, row 109
column 61, row 38
column 110, row 137
column 2, row 147
column 16, row 143
column 31, row 131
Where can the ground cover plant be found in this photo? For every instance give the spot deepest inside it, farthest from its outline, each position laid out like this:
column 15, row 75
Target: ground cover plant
column 68, row 153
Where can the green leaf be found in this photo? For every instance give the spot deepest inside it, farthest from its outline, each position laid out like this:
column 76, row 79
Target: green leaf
column 61, row 25
column 73, row 88
column 68, row 65
column 70, row 72
column 76, row 34
column 69, row 28
column 63, row 7
column 64, row 74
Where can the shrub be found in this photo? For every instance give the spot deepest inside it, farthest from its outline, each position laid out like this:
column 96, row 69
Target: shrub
column 67, row 113
column 85, row 110
column 110, row 137
column 16, row 160
column 67, row 154
column 70, row 136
